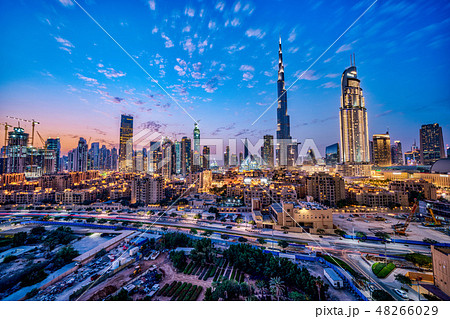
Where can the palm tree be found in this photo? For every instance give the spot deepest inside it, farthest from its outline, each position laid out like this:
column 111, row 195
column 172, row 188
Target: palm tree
column 319, row 285
column 276, row 286
column 261, row 285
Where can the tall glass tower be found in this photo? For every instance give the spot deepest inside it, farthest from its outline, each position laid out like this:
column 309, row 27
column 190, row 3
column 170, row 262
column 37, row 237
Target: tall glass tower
column 353, row 120
column 196, row 157
column 126, row 143
column 283, row 126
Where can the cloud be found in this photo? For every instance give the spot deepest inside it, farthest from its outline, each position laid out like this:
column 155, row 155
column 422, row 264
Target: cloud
column 235, row 22
column 139, row 102
column 234, row 48
column 168, row 42
column 267, row 73
column 384, row 113
column 247, row 76
column 46, row 73
column 293, row 50
column 151, row 4
column 211, row 25
column 186, row 28
column 155, row 30
column 306, row 75
column 197, row 75
column 327, row 60
column 89, row 81
column 343, row 48
column 237, row 7
column 180, row 71
column 246, row 68
column 152, row 126
column 220, row 129
column 110, row 73
column 117, row 99
column 329, row 85
column 188, row 45
column 332, row 75
column 257, row 33
column 211, row 85
column 189, row 12
column 292, row 35
column 66, row 3
column 64, row 42
column 220, row 6
column 201, row 46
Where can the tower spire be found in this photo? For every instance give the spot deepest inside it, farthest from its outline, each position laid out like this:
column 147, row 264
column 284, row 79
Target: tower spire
column 280, row 64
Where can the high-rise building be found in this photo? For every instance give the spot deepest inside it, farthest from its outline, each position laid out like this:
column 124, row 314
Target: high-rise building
column 241, row 158
column 382, row 149
column 186, row 159
column 353, row 120
column 245, row 148
column 81, row 159
column 226, row 157
column 167, row 159
column 94, row 153
column 397, row 153
column 196, row 153
column 126, row 143
column 325, row 188
column 332, row 154
column 206, row 154
column 17, row 150
column 114, row 159
column 267, row 151
column 154, row 158
column 55, row 145
column 147, row 190
column 431, row 144
column 177, row 154
column 412, row 157
column 283, row 123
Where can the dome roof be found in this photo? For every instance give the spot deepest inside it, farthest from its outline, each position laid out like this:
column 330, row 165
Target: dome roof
column 442, row 166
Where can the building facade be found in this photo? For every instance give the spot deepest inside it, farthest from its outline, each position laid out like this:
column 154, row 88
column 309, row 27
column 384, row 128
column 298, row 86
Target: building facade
column 382, row 150
column 431, row 144
column 126, row 144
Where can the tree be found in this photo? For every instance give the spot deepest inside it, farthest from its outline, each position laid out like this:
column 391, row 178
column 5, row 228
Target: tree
column 198, row 216
column 262, row 241
column 381, row 295
column 403, row 279
column 276, row 286
column 242, row 240
column 385, row 238
column 340, row 232
column 298, row 296
column 430, row 241
column 224, row 236
column 121, row 296
column 319, row 284
column 361, row 235
column 283, row 244
column 207, row 233
column 230, row 290
column 179, row 259
column 19, row 239
column 215, row 211
column 90, row 220
column 203, row 251
column 419, row 259
column 261, row 285
column 173, row 215
column 320, row 231
column 64, row 256
column 285, row 228
column 193, row 231
column 39, row 230
column 208, row 294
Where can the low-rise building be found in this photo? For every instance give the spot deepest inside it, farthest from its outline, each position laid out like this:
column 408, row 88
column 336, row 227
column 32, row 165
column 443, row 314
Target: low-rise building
column 441, row 268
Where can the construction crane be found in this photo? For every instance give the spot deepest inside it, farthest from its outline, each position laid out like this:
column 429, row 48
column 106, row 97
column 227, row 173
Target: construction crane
column 33, row 123
column 44, row 145
column 431, row 222
column 400, row 228
column 6, row 136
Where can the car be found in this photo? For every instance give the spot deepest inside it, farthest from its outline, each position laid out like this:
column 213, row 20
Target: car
column 401, row 293
column 387, row 221
column 229, row 227
column 349, row 219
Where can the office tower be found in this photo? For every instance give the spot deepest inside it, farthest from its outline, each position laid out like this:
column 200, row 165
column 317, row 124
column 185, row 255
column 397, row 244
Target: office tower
column 233, row 160
column 126, row 144
column 17, row 150
column 154, row 158
column 186, row 159
column 397, row 153
column 226, row 157
column 139, row 161
column 382, row 149
column 448, row 152
column 206, row 155
column 81, row 156
column 196, row 153
column 114, row 159
column 178, row 159
column 167, row 159
column 431, row 144
column 245, row 148
column 55, row 145
column 241, row 158
column 283, row 126
column 354, row 146
column 267, row 151
column 94, row 153
column 332, row 154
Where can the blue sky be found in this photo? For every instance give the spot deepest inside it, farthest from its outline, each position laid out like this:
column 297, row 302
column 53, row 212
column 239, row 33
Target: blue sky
column 218, row 59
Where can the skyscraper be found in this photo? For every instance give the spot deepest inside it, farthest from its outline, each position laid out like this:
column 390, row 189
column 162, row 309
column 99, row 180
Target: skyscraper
column 382, row 149
column 177, row 154
column 94, row 153
column 397, row 153
column 245, row 148
column 196, row 155
column 431, row 144
column 283, row 126
column 332, row 154
column 126, row 143
column 186, row 159
column 412, row 157
column 226, row 157
column 267, row 151
column 17, row 150
column 353, row 120
column 206, row 154
column 55, row 145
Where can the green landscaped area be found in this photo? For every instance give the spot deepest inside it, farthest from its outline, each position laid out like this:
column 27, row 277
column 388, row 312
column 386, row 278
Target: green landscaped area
column 382, row 270
column 340, row 263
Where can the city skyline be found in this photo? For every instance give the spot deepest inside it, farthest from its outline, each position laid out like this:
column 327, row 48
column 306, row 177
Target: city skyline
column 96, row 89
